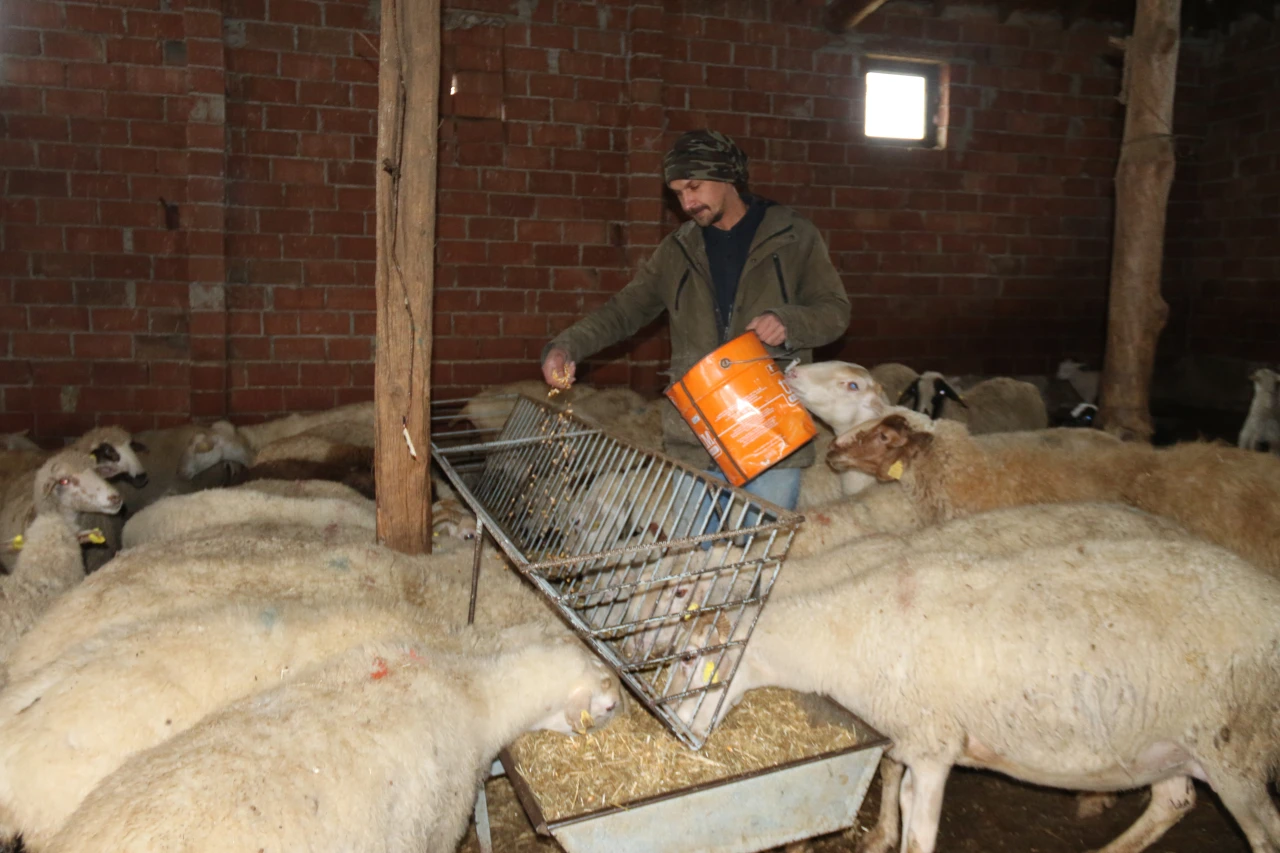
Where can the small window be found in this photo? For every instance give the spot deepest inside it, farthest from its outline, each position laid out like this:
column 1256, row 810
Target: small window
column 904, row 102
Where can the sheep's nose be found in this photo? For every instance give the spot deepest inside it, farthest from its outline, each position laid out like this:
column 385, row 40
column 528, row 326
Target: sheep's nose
column 611, row 706
column 114, row 500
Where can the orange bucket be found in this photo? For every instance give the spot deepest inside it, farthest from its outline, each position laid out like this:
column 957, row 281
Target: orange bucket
column 741, row 409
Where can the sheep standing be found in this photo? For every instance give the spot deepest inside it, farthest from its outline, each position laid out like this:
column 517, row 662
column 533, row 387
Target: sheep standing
column 1226, row 495
column 894, row 378
column 114, row 453
column 169, row 576
column 999, row 404
column 65, row 728
column 1261, row 429
column 844, row 395
column 381, row 750
column 1092, row 691
column 1084, row 382
column 48, row 561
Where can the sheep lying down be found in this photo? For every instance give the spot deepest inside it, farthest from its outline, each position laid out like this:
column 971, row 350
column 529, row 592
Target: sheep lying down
column 1057, row 666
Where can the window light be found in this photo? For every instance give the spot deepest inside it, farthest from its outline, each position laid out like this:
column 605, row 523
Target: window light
column 896, row 105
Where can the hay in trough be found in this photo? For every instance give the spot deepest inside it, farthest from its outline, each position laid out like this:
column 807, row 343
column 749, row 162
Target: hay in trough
column 635, row 757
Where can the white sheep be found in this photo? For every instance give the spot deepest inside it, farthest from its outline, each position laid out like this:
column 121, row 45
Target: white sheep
column 172, row 576
column 1226, row 495
column 185, row 516
column 382, row 750
column 1056, row 666
column 1261, row 429
column 17, row 441
column 1085, row 382
column 66, row 727
column 114, row 453
column 488, row 410
column 1000, row 404
column 334, row 424
column 48, row 556
column 844, row 395
column 894, row 378
column 177, row 456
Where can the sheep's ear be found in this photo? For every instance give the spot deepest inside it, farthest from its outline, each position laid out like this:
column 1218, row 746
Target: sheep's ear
column 910, row 395
column 105, row 453
column 723, row 629
column 138, row 447
column 202, row 444
column 225, row 428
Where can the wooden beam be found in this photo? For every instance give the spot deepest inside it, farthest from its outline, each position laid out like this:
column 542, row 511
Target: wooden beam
column 1137, row 312
column 408, row 106
column 842, row 15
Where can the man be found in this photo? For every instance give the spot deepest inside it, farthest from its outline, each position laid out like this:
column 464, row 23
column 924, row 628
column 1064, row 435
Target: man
column 741, row 263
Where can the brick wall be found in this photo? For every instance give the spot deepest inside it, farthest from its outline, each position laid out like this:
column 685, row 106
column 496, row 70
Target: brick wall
column 990, row 255
column 1226, row 287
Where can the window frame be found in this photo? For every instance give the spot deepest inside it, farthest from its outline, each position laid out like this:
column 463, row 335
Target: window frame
column 936, row 77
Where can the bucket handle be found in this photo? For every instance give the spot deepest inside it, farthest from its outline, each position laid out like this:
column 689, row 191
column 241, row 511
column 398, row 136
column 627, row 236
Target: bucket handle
column 726, row 363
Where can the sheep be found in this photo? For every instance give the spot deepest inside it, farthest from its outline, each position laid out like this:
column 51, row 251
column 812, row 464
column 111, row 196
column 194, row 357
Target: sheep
column 1261, row 429
column 1091, row 691
column 1085, row 382
column 176, row 457
column 171, row 576
column 65, row 728
column 625, row 415
column 332, row 424
column 488, row 410
column 382, row 749
column 844, row 395
column 17, row 441
column 1000, row 404
column 185, row 516
column 48, row 557
column 894, row 378
column 306, row 457
column 114, row 452
column 1226, row 495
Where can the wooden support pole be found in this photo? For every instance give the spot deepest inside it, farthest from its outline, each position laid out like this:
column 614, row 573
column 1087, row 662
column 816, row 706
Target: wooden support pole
column 1136, row 310
column 408, row 108
column 844, row 15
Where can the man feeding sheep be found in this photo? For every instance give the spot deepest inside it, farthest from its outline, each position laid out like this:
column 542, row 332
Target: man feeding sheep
column 742, row 263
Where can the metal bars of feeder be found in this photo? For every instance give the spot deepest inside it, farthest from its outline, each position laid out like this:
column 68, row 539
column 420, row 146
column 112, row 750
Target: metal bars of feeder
column 661, row 568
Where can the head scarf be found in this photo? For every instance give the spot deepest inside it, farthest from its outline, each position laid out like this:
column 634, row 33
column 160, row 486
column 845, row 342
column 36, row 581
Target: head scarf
column 705, row 155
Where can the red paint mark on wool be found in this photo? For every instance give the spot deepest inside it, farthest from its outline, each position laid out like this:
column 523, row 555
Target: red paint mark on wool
column 822, row 518
column 379, row 669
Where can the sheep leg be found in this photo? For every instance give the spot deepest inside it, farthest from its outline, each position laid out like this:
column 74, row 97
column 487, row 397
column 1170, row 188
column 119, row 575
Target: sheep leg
column 1250, row 804
column 922, row 789
column 1170, row 799
column 886, row 834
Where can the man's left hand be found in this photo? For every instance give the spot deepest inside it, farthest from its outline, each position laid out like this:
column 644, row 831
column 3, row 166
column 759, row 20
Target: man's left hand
column 770, row 329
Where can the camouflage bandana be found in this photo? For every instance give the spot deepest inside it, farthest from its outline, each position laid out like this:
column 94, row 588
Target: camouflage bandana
column 705, row 155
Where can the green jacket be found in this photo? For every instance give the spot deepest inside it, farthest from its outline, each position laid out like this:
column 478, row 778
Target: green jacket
column 787, row 273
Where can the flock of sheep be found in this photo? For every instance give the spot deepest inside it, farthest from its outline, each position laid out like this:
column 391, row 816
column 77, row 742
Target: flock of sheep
column 251, row 671
column 247, row 669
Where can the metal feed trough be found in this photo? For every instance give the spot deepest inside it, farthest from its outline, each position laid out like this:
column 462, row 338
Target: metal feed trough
column 662, row 569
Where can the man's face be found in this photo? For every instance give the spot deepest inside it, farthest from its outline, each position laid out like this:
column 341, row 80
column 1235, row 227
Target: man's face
column 703, row 201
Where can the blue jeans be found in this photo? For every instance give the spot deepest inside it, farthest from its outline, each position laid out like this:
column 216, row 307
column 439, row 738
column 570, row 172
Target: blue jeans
column 779, row 486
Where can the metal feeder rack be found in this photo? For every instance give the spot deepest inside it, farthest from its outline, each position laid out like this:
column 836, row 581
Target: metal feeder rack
column 662, row 569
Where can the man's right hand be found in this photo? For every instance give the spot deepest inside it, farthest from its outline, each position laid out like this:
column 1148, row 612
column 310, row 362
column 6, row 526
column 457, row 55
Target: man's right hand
column 558, row 370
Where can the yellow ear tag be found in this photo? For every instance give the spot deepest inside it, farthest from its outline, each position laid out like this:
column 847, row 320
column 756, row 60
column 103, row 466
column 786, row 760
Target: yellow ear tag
column 895, row 470
column 95, row 536
column 586, row 720
column 709, row 673
column 17, row 542
column 693, row 605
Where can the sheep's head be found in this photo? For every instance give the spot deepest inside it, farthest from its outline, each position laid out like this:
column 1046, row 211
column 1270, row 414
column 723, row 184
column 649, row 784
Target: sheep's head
column 842, row 394
column 70, row 482
column 704, row 668
column 1265, row 382
column 884, row 449
column 1069, row 368
column 592, row 700
column 219, row 442
column 929, row 394
column 115, row 452
column 450, row 518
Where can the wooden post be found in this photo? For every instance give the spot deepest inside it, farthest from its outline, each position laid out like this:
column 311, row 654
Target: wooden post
column 408, row 93
column 1136, row 310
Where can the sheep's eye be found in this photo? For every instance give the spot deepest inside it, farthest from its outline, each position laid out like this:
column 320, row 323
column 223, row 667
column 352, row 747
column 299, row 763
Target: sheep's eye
column 681, row 593
column 853, row 386
column 65, row 481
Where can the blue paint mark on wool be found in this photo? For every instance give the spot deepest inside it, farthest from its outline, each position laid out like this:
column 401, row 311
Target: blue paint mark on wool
column 342, row 564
